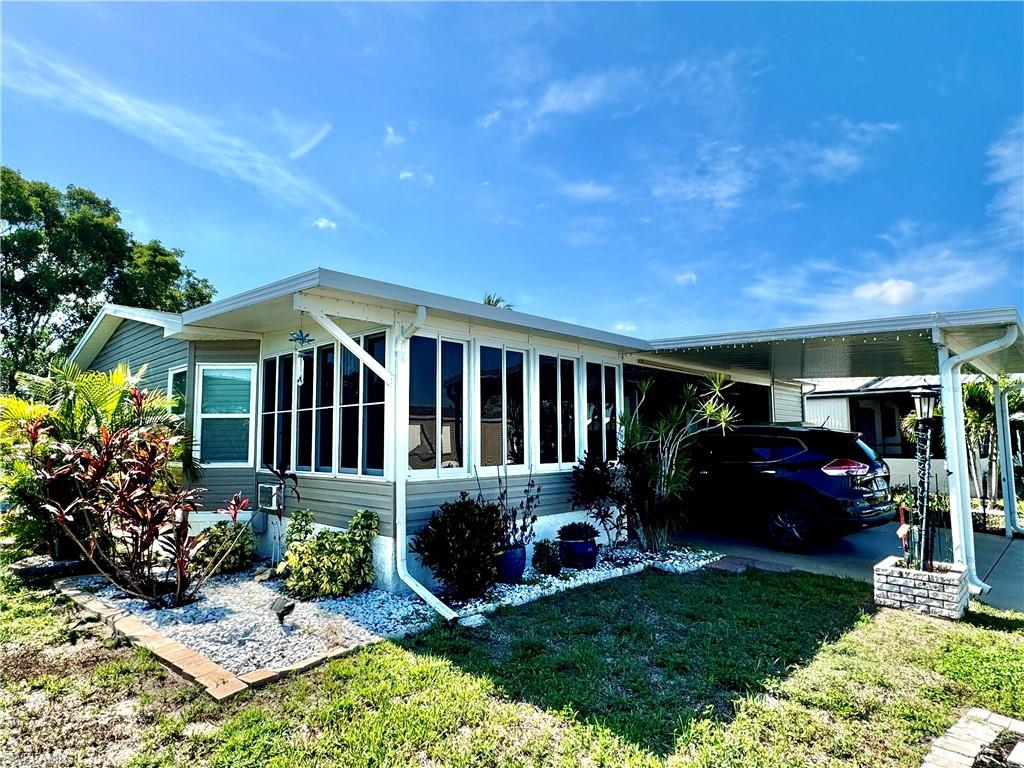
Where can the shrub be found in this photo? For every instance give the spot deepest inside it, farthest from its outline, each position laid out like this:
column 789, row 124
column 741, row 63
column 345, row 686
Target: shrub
column 332, row 563
column 577, row 532
column 593, row 490
column 546, row 558
column 300, row 527
column 237, row 542
column 458, row 545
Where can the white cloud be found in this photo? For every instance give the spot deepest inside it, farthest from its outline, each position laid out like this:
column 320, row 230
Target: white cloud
column 587, row 191
column 1006, row 169
column 625, row 326
column 299, row 136
column 309, row 143
column 194, row 138
column 392, row 137
column 835, row 160
column 324, row 223
column 421, row 176
column 490, row 118
column 583, row 93
column 405, row 175
column 719, row 179
column 891, row 291
column 689, row 277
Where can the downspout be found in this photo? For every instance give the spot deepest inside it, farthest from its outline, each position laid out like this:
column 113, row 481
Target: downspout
column 400, row 399
column 1013, row 524
column 956, row 451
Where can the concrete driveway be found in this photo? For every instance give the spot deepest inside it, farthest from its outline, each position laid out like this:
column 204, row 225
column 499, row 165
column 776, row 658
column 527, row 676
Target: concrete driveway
column 1000, row 560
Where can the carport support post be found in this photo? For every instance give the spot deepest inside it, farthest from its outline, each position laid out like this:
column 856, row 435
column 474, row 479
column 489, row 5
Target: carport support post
column 1002, row 406
column 953, row 430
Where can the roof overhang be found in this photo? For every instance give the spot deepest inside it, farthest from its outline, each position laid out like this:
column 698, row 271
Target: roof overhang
column 883, row 347
column 273, row 306
column 106, row 322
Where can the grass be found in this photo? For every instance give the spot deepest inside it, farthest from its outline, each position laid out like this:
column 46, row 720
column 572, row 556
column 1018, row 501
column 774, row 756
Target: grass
column 651, row 670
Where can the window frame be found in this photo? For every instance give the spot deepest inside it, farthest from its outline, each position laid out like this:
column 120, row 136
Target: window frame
column 604, row 362
column 198, row 417
column 528, row 352
column 579, row 397
column 468, row 379
column 171, row 373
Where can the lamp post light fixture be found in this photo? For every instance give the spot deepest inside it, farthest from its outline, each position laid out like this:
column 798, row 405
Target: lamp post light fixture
column 921, row 548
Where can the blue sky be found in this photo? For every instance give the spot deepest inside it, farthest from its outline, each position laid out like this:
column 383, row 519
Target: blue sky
column 653, row 169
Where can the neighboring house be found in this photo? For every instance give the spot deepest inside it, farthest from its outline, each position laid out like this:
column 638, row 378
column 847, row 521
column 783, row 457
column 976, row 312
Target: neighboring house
column 400, row 400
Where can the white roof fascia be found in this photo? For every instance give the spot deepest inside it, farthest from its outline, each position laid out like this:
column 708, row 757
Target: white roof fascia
column 169, row 321
column 411, row 297
column 1001, row 316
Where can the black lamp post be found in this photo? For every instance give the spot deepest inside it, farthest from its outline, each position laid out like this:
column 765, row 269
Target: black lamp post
column 922, row 528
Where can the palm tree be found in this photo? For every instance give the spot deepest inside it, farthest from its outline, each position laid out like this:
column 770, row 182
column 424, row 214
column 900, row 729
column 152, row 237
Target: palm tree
column 494, row 300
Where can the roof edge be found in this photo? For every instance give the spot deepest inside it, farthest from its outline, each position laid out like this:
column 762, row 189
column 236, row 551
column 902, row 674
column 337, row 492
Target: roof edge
column 106, row 322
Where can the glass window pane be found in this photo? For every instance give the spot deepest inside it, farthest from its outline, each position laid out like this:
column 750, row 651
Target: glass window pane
column 224, row 440
column 548, row 405
column 267, row 443
column 595, row 410
column 284, row 441
column 491, row 440
column 373, row 439
column 516, row 404
column 611, row 414
column 349, row 378
column 269, row 384
column 306, row 373
column 324, row 439
column 304, row 441
column 285, row 365
column 226, row 390
column 325, row 376
column 374, row 384
column 177, row 393
column 568, row 409
column 422, row 402
column 348, row 458
column 452, row 356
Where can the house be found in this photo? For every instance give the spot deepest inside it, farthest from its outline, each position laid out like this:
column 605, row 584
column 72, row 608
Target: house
column 395, row 399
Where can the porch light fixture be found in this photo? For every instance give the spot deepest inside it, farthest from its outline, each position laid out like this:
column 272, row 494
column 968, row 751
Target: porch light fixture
column 925, row 399
column 921, row 544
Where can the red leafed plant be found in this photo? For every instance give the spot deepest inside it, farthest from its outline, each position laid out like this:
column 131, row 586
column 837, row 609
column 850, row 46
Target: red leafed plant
column 129, row 517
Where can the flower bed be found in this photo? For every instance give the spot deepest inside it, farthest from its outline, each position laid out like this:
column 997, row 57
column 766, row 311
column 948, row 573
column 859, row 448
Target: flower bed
column 942, row 592
column 610, row 564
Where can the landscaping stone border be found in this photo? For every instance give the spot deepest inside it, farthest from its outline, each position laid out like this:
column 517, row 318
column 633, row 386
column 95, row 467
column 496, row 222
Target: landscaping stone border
column 933, row 593
column 960, row 745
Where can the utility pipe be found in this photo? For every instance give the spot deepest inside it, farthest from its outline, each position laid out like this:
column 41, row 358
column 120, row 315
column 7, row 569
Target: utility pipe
column 1003, row 438
column 956, row 451
column 400, row 432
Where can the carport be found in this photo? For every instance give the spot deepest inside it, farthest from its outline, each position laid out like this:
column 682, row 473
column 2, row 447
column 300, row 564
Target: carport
column 990, row 341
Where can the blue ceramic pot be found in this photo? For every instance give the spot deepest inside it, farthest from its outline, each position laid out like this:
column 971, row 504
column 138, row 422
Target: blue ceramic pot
column 511, row 565
column 580, row 555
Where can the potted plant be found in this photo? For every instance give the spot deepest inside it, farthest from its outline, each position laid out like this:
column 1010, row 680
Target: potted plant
column 577, row 545
column 516, row 529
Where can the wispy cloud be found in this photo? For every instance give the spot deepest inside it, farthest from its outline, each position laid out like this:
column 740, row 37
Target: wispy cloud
column 324, row 223
column 1006, row 171
column 585, row 92
column 687, row 277
column 587, row 191
column 587, row 231
column 624, row 326
column 300, row 136
column 392, row 137
column 718, row 179
column 834, row 160
column 189, row 136
column 490, row 118
column 424, row 177
column 311, row 142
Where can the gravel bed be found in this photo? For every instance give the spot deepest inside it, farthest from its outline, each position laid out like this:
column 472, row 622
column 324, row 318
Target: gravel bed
column 610, row 564
column 232, row 623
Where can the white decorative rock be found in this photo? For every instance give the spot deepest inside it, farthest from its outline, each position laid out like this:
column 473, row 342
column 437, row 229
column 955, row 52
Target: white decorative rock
column 941, row 593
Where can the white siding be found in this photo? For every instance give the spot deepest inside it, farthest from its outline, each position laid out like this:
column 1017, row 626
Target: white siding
column 831, row 412
column 787, row 402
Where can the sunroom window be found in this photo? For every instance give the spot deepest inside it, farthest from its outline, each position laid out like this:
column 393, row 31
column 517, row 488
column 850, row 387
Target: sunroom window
column 176, row 385
column 502, row 406
column 361, row 411
column 224, row 416
column 436, row 403
column 276, row 447
column 602, row 411
column 557, row 406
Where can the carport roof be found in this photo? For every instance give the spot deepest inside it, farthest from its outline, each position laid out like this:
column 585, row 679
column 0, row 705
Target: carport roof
column 898, row 346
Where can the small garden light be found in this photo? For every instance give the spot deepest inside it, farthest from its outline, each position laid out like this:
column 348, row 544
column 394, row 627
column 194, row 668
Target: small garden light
column 283, row 607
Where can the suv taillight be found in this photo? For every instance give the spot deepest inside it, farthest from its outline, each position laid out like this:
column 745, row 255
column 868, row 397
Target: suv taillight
column 845, row 467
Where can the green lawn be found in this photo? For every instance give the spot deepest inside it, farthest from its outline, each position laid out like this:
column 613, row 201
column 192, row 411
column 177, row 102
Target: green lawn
column 708, row 669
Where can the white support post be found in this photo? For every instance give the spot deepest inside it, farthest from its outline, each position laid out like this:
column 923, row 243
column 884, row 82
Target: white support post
column 350, row 344
column 1003, row 438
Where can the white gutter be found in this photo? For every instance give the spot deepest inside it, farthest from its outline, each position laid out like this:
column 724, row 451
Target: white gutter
column 956, row 451
column 400, row 398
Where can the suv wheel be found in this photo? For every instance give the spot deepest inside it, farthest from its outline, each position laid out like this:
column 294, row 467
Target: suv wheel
column 790, row 525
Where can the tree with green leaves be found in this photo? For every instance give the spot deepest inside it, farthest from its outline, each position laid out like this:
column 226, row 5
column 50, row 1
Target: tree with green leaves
column 494, row 300
column 63, row 255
